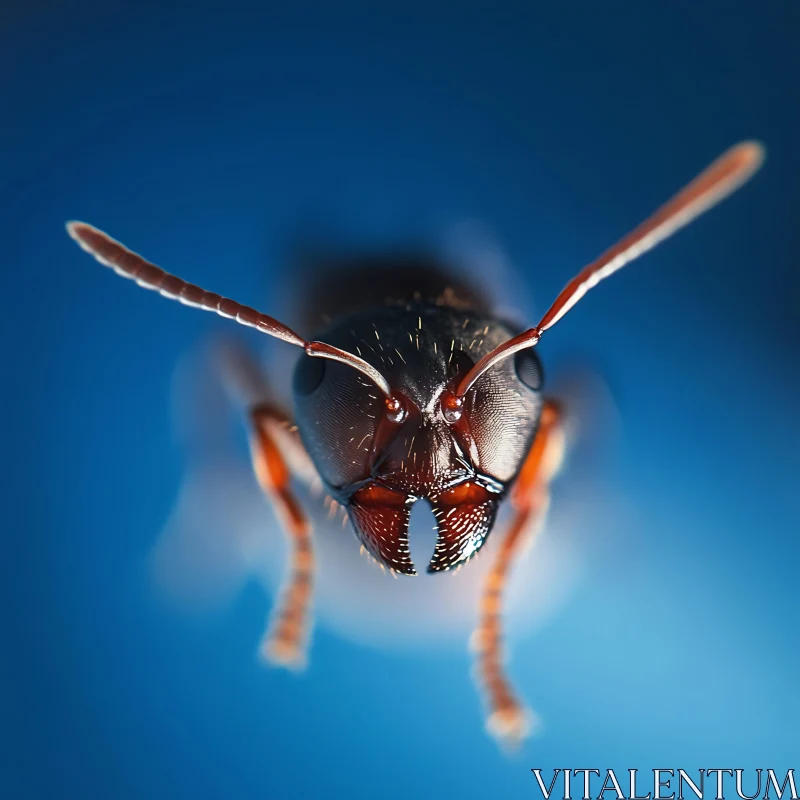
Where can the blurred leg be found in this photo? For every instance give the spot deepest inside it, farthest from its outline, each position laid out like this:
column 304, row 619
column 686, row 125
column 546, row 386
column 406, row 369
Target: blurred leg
column 507, row 718
column 278, row 455
column 286, row 639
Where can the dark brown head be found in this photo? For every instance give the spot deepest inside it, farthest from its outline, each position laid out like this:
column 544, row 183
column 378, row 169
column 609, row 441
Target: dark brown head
column 378, row 463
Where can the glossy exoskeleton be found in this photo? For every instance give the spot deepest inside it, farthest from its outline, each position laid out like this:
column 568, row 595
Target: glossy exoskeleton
column 426, row 396
column 377, row 467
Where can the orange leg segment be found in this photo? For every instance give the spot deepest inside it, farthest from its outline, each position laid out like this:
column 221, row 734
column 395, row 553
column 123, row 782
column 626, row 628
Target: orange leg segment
column 277, row 455
column 286, row 639
column 507, row 718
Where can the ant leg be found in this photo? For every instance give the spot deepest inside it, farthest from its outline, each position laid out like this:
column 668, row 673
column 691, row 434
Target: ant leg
column 507, row 718
column 286, row 639
column 277, row 454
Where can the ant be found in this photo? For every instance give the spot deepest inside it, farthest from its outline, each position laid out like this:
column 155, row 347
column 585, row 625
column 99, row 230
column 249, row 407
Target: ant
column 446, row 406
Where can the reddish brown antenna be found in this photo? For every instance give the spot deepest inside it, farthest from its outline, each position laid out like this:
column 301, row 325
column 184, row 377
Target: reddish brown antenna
column 714, row 184
column 128, row 264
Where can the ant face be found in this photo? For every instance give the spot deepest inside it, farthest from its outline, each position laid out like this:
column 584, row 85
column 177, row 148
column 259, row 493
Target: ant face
column 378, row 466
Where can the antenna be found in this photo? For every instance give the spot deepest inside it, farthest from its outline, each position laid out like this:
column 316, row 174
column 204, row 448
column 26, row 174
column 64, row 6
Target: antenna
column 128, row 264
column 730, row 171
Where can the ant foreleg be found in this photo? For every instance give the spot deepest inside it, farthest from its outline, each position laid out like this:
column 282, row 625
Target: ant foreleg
column 277, row 453
column 286, row 639
column 507, row 718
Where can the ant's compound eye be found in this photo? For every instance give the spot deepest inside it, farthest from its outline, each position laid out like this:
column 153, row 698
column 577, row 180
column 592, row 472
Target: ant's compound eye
column 308, row 375
column 529, row 369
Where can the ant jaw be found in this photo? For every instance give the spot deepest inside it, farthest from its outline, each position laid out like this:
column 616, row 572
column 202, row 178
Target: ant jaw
column 465, row 516
column 380, row 517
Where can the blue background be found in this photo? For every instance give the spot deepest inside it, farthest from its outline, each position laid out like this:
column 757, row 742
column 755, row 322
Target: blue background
column 203, row 137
